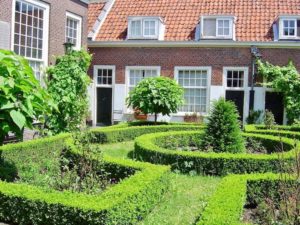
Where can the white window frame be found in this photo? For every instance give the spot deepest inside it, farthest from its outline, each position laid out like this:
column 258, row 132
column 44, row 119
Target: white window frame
column 143, row 20
column 127, row 78
column 45, row 48
column 281, row 27
column 96, row 85
column 218, row 18
column 245, row 87
column 209, row 71
column 79, row 31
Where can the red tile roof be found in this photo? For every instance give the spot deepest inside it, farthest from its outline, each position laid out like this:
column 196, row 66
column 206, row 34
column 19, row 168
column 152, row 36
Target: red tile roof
column 94, row 11
column 254, row 17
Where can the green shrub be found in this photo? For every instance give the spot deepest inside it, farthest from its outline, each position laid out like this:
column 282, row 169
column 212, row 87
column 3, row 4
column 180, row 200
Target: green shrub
column 22, row 99
column 213, row 163
column 235, row 191
column 269, row 119
column 124, row 203
column 33, row 162
column 223, row 133
column 281, row 131
column 156, row 95
column 120, row 134
column 67, row 84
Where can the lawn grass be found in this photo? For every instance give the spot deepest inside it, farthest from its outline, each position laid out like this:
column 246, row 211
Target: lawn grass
column 185, row 200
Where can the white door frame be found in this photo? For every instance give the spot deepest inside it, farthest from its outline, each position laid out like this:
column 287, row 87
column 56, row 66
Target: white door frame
column 245, row 88
column 96, row 86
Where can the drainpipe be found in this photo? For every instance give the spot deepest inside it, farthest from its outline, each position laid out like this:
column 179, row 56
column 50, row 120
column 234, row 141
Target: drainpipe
column 255, row 55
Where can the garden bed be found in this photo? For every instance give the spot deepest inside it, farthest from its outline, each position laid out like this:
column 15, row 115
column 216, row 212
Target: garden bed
column 210, row 163
column 227, row 205
column 30, row 201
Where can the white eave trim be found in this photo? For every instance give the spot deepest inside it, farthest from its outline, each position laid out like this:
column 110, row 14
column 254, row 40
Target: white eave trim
column 202, row 43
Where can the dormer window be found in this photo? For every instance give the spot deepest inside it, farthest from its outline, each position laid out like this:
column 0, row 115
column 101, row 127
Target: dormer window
column 289, row 27
column 145, row 28
column 217, row 27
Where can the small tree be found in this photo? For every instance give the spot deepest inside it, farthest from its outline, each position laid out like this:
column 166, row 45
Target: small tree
column 269, row 119
column 156, row 95
column 223, row 133
column 22, row 99
column 67, row 83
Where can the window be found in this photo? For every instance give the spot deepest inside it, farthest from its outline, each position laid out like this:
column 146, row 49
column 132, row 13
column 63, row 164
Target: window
column 104, row 76
column 289, row 27
column 195, row 82
column 73, row 30
column 235, row 78
column 143, row 28
column 30, row 33
column 136, row 74
column 217, row 27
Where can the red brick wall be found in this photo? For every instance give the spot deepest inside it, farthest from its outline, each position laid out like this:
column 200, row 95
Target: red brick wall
column 168, row 58
column 58, row 9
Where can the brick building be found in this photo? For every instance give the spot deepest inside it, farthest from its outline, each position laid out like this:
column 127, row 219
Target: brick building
column 208, row 46
column 37, row 29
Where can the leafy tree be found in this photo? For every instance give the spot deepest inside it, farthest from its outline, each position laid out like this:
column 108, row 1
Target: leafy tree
column 22, row 99
column 67, row 83
column 223, row 133
column 156, row 95
column 286, row 80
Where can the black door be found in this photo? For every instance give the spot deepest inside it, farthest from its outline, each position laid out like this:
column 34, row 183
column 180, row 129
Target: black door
column 104, row 106
column 274, row 103
column 238, row 98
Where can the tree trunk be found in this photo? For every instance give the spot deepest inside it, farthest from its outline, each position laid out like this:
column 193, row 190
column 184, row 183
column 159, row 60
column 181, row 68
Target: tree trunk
column 155, row 118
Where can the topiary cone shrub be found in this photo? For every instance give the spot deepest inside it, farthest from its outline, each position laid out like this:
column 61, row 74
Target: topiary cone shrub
column 223, row 132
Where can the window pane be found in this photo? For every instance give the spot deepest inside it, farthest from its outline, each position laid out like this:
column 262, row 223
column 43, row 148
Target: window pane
column 104, row 77
column 235, row 78
column 72, row 31
column 209, row 27
column 136, row 28
column 136, row 75
column 149, row 28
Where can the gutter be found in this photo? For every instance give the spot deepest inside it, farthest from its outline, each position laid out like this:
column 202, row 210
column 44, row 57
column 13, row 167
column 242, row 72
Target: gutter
column 194, row 44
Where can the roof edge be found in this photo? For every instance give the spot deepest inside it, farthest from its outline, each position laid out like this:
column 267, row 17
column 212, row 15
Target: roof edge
column 200, row 44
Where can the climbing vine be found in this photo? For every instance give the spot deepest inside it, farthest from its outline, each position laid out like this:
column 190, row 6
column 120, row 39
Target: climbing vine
column 285, row 79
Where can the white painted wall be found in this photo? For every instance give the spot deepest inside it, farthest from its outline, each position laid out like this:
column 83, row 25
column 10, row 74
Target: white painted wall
column 119, row 102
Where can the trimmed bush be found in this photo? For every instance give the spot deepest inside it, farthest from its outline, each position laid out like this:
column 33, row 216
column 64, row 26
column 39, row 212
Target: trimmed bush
column 124, row 203
column 117, row 134
column 213, row 163
column 223, row 133
column 227, row 204
column 281, row 131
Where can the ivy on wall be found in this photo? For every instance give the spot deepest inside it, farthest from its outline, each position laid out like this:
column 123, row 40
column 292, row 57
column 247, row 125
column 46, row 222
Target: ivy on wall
column 285, row 79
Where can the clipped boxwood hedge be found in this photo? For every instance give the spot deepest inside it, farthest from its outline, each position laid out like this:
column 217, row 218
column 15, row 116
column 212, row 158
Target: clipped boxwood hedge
column 124, row 203
column 281, row 131
column 119, row 134
column 213, row 163
column 235, row 191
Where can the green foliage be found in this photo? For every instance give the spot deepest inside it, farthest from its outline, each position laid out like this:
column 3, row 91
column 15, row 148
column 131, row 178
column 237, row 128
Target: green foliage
column 212, row 163
column 124, row 203
column 119, row 134
column 286, row 80
column 223, row 133
column 22, row 99
column 254, row 117
column 156, row 95
column 269, row 120
column 34, row 162
column 67, row 83
column 281, row 131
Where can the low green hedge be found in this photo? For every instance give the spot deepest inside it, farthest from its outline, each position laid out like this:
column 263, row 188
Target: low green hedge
column 32, row 161
column 124, row 203
column 280, row 127
column 119, row 134
column 227, row 204
column 213, row 163
column 290, row 133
